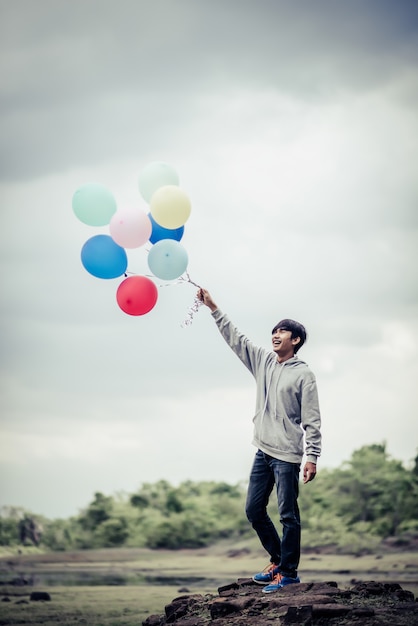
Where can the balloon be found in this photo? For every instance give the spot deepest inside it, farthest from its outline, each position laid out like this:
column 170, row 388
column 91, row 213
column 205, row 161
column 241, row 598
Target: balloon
column 93, row 204
column 137, row 295
column 158, row 232
column 130, row 228
column 170, row 207
column 155, row 175
column 103, row 258
column 167, row 259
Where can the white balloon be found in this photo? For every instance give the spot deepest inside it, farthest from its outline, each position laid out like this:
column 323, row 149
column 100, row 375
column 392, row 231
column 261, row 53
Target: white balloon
column 130, row 228
column 155, row 175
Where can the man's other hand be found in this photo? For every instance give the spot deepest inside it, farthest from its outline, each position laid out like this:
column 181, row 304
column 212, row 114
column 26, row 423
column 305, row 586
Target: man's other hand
column 309, row 471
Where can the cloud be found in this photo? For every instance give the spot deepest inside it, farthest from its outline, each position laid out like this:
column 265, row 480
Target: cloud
column 170, row 438
column 86, row 81
column 293, row 131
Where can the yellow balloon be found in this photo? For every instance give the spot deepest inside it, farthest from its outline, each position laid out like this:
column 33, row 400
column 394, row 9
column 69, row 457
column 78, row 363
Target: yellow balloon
column 170, row 207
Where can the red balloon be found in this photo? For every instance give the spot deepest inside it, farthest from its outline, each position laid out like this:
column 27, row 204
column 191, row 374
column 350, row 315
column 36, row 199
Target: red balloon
column 137, row 295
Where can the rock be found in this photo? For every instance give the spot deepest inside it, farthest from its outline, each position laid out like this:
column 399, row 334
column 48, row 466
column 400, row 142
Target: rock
column 242, row 603
column 232, row 554
column 362, row 612
column 330, row 610
column 40, row 596
column 228, row 589
column 402, row 595
column 154, row 620
column 224, row 606
column 180, row 606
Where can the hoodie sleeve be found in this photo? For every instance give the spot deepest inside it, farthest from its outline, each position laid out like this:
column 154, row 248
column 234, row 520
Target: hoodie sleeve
column 311, row 420
column 245, row 350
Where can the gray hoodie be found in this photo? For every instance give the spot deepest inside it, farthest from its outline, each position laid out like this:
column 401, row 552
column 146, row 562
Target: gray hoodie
column 286, row 402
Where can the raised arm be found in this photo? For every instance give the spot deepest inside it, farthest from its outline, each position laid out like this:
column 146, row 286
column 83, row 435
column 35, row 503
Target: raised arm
column 245, row 350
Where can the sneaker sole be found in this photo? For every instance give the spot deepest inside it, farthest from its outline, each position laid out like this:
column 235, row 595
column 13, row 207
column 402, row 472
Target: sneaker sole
column 260, row 582
column 272, row 590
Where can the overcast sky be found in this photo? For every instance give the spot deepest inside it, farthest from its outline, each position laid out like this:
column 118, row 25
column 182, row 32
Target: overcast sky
column 293, row 128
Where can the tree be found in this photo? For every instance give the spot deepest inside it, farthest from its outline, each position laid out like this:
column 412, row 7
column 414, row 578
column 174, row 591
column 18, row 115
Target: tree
column 112, row 532
column 139, row 501
column 9, row 525
column 370, row 497
column 375, row 489
column 173, row 503
column 181, row 531
column 29, row 530
column 97, row 512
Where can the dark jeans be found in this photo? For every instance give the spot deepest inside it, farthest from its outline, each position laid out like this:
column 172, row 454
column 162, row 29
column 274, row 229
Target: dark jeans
column 267, row 472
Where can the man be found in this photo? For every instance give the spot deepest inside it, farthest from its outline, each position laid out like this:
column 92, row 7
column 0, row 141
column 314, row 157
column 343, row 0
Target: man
column 287, row 412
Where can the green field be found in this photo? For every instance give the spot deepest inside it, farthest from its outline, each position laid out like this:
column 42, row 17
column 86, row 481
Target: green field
column 121, row 587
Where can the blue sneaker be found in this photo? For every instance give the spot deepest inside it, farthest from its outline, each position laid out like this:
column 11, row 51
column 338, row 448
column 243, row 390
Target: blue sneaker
column 280, row 581
column 267, row 575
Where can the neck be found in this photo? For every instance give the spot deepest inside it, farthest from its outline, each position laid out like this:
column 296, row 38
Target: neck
column 285, row 357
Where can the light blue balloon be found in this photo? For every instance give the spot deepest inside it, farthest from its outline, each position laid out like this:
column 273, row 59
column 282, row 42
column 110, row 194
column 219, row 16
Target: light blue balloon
column 168, row 259
column 155, row 175
column 93, row 204
column 103, row 258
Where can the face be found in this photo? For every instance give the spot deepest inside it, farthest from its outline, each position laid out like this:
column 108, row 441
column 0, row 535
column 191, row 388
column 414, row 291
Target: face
column 283, row 344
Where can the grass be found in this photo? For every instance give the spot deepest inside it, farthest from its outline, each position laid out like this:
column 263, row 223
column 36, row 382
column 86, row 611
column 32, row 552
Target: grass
column 121, row 587
column 91, row 606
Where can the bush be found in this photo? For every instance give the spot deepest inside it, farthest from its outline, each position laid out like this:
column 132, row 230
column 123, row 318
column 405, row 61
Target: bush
column 369, row 498
column 112, row 532
column 9, row 532
column 181, row 531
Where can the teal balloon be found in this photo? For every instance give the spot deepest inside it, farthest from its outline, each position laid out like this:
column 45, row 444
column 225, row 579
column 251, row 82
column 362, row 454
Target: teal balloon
column 93, row 204
column 103, row 258
column 155, row 175
column 168, row 259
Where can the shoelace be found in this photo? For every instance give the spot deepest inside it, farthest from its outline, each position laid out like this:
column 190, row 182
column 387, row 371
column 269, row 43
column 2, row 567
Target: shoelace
column 269, row 569
column 277, row 578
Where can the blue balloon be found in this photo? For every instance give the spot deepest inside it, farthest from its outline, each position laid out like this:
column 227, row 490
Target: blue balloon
column 159, row 232
column 103, row 258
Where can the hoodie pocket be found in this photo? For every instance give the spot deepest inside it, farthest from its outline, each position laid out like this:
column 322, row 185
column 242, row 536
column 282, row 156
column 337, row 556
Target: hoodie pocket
column 272, row 433
column 292, row 435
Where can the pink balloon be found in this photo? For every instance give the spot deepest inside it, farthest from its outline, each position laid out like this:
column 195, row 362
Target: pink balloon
column 130, row 228
column 137, row 295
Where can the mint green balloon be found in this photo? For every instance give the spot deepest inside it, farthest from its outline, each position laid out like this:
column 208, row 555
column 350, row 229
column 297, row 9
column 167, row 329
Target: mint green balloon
column 94, row 205
column 155, row 175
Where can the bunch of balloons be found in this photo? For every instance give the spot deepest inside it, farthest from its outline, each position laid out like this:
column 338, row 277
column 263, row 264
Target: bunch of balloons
column 104, row 256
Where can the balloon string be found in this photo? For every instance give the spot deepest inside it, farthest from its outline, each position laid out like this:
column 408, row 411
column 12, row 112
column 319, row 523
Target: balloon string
column 189, row 280
column 197, row 303
column 191, row 311
column 181, row 279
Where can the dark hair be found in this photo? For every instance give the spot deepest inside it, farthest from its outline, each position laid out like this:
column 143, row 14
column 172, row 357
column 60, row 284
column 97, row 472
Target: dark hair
column 297, row 330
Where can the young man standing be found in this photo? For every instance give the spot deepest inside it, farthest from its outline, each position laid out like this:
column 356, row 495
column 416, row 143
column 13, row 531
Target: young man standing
column 287, row 413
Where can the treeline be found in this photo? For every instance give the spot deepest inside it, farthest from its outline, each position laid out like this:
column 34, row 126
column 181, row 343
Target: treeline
column 353, row 508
